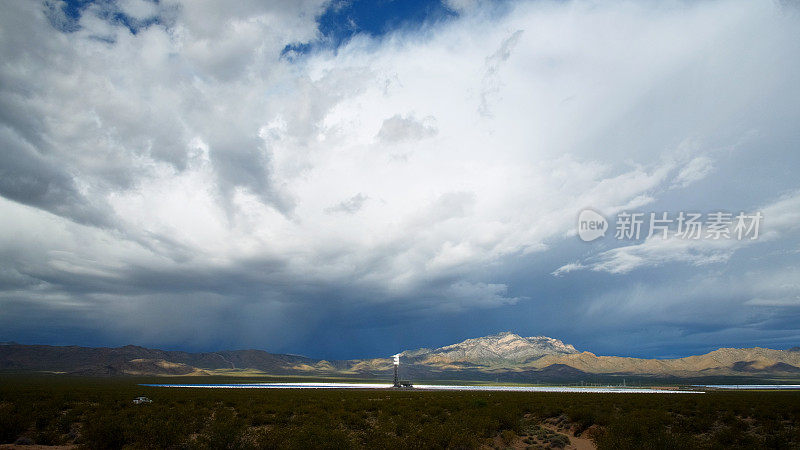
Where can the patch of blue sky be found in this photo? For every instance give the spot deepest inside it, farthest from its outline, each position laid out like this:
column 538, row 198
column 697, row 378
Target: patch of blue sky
column 66, row 15
column 344, row 19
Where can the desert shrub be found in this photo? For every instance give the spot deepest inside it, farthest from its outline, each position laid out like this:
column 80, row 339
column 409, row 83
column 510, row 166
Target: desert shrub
column 558, row 441
column 507, row 436
column 12, row 423
column 223, row 431
column 640, row 430
column 103, row 430
column 48, row 436
column 155, row 427
column 310, row 436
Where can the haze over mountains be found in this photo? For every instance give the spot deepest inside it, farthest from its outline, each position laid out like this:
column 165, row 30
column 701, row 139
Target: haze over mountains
column 504, row 356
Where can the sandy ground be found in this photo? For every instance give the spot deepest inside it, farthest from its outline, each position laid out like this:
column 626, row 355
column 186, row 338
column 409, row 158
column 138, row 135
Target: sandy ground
column 575, row 443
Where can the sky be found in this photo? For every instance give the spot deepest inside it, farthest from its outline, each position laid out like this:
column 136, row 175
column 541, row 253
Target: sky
column 346, row 179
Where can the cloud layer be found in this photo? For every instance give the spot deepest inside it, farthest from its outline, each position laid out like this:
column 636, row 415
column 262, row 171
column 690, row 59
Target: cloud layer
column 177, row 179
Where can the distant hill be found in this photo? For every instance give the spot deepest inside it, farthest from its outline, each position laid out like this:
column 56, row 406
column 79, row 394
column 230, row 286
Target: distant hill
column 504, row 356
column 132, row 359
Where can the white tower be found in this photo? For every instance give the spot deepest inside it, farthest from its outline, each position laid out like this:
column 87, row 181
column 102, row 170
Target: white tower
column 396, row 366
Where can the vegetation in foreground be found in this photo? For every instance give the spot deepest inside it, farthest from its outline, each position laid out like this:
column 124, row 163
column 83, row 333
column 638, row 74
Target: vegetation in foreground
column 99, row 414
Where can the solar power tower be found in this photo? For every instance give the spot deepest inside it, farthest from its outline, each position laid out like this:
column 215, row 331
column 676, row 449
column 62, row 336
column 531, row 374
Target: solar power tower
column 396, row 367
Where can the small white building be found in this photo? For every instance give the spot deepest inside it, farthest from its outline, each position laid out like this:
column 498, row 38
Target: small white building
column 140, row 400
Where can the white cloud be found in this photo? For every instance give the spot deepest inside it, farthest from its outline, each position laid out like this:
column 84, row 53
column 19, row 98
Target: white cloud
column 656, row 251
column 139, row 9
column 782, row 215
column 697, row 169
column 399, row 128
column 567, row 268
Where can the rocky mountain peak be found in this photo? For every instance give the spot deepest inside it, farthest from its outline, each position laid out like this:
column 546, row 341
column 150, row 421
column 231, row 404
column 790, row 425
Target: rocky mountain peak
column 501, row 347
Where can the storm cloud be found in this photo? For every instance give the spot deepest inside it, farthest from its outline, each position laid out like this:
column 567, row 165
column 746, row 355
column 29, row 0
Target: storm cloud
column 174, row 174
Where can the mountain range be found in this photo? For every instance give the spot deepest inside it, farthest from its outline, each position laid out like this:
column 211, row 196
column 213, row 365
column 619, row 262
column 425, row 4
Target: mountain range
column 505, row 356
